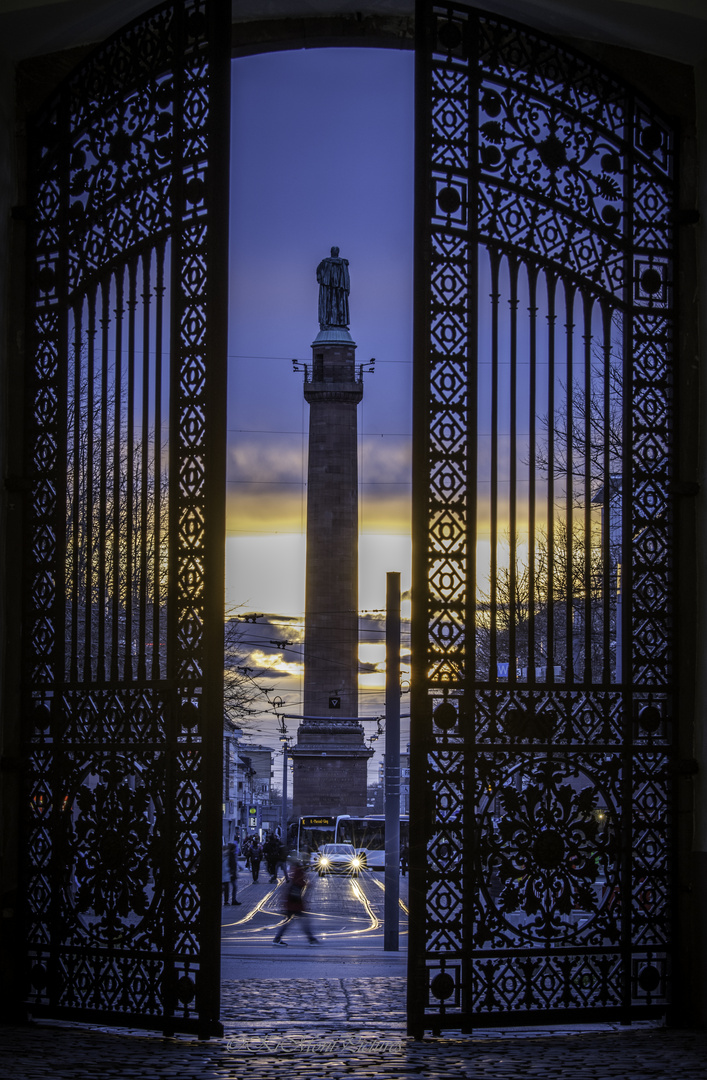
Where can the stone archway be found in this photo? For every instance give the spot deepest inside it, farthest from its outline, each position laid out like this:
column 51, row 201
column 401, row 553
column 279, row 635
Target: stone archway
column 516, row 717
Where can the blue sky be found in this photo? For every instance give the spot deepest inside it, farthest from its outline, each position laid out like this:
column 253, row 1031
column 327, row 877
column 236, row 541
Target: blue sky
column 322, row 154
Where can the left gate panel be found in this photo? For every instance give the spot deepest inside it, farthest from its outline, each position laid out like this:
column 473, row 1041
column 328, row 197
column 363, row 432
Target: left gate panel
column 123, row 578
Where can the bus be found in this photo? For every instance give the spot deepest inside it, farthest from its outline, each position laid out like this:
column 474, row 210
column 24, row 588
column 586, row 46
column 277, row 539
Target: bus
column 365, row 833
column 312, row 831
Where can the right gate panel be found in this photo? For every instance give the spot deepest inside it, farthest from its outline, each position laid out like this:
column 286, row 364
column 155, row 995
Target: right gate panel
column 542, row 723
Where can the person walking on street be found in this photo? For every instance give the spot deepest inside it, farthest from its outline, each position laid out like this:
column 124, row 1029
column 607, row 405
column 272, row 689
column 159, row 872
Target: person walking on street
column 282, row 856
column 229, row 873
column 294, row 905
column 256, row 854
column 270, row 849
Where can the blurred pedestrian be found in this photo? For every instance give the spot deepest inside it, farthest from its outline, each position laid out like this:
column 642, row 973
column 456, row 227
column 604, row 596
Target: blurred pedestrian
column 282, row 857
column 270, row 850
column 294, row 905
column 256, row 855
column 229, row 873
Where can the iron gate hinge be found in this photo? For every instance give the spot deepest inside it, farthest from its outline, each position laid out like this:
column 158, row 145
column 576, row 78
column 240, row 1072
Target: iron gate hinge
column 685, row 767
column 685, row 487
column 687, row 217
column 10, row 764
column 17, row 483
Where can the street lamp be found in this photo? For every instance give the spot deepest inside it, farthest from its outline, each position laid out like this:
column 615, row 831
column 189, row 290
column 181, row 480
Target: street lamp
column 285, row 747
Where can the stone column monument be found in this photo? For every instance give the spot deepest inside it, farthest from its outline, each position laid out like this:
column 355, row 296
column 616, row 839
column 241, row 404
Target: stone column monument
column 330, row 757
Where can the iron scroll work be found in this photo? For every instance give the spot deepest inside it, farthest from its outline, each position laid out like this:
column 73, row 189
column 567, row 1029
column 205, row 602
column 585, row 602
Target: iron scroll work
column 123, row 585
column 542, row 724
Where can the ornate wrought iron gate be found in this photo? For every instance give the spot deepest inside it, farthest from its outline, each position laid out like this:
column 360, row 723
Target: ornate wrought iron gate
column 542, row 723
column 123, row 584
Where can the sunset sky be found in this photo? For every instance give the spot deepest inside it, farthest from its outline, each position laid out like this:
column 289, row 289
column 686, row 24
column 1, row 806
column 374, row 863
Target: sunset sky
column 322, row 155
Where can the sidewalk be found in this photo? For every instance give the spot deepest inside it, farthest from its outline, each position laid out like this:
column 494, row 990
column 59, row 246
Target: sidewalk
column 344, row 1028
column 348, row 1025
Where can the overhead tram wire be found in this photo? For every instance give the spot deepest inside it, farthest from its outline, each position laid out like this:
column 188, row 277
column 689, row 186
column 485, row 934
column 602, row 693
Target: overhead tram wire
column 295, row 647
column 296, row 621
column 299, row 359
column 279, row 652
column 283, row 431
column 296, row 483
column 363, row 631
column 110, row 351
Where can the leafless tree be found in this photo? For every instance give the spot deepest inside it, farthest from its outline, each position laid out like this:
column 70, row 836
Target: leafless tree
column 117, row 529
column 583, row 438
column 243, row 691
column 558, row 594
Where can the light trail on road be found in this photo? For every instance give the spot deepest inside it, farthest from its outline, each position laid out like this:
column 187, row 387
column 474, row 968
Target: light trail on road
column 343, row 910
column 382, row 886
column 374, row 923
column 361, row 896
column 260, row 906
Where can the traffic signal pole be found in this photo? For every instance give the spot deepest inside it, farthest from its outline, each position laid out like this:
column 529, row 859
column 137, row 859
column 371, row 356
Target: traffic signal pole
column 392, row 763
column 283, row 811
column 285, row 748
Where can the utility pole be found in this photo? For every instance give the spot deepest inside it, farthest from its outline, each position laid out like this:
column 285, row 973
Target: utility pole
column 283, row 814
column 392, row 763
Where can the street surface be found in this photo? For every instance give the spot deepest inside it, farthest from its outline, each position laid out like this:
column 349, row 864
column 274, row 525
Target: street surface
column 346, row 915
column 336, row 1010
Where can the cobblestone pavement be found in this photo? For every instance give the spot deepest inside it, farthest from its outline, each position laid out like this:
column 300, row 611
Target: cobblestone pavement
column 355, row 1029
column 348, row 1005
